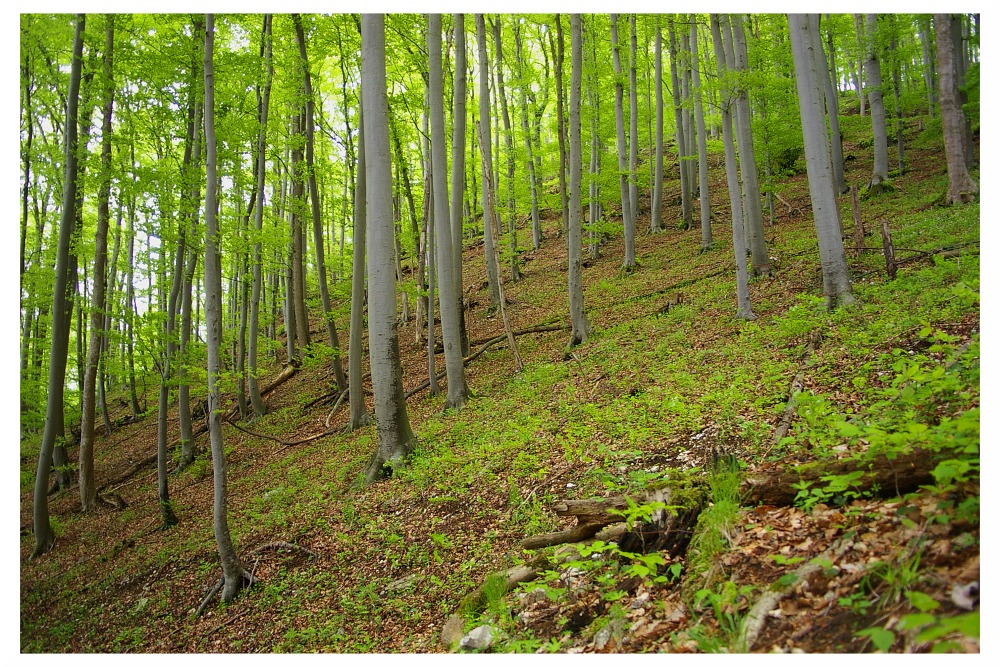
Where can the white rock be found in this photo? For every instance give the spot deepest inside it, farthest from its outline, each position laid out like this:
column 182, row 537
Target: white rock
column 478, row 638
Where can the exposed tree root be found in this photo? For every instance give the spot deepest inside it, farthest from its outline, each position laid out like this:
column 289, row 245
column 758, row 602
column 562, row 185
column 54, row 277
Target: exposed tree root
column 246, row 580
column 278, row 545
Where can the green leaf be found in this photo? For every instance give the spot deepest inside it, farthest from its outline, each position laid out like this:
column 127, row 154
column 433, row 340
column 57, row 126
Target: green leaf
column 922, row 601
column 882, row 639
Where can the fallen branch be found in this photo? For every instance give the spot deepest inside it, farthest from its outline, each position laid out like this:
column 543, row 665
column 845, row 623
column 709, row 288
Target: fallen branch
column 753, row 623
column 277, row 545
column 575, row 534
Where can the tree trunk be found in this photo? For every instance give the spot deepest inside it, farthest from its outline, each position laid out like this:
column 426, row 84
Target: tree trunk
column 833, row 113
column 44, row 536
column 961, row 187
column 699, row 115
column 557, row 48
column 679, row 128
column 536, row 228
column 395, row 438
column 656, row 210
column 88, row 489
column 458, row 171
column 743, row 308
column 358, row 411
column 324, row 292
column 492, row 270
column 930, row 82
column 761, row 263
column 298, row 269
column 896, row 85
column 234, row 576
column 807, row 53
column 628, row 264
column 515, row 271
column 581, row 328
column 873, row 74
column 259, row 408
column 449, row 301
column 633, row 131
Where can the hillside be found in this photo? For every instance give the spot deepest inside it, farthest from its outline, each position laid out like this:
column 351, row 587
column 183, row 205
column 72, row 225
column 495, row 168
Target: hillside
column 664, row 393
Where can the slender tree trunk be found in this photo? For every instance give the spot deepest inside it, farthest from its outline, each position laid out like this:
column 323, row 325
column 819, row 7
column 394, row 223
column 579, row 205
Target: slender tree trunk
column 44, row 535
column 961, row 187
column 324, row 292
column 873, row 74
column 833, row 113
column 259, row 408
column 536, row 228
column 699, row 115
column 633, row 130
column 557, row 49
column 761, row 263
column 395, row 438
column 235, row 577
column 656, row 211
column 298, row 297
column 458, row 171
column 434, row 388
column 896, row 85
column 515, row 271
column 810, row 68
column 628, row 220
column 581, row 327
column 594, row 99
column 359, row 412
column 927, row 50
column 492, row 270
column 88, row 489
column 743, row 308
column 450, row 302
column 679, row 128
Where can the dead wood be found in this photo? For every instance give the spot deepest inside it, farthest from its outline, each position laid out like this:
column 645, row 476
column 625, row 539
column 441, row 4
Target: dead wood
column 884, row 476
column 768, row 601
column 279, row 545
column 574, row 534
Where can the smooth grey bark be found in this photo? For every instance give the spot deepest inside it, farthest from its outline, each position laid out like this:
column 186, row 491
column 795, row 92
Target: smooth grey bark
column 109, row 307
column 59, row 350
column 929, row 71
column 896, row 86
column 581, row 327
column 959, row 40
column 536, row 227
column 860, row 80
column 743, row 308
column 130, row 306
column 679, row 127
column 88, row 489
column 298, row 281
column 961, row 187
column 873, row 74
column 235, row 577
column 359, row 415
column 395, row 437
column 807, row 54
column 594, row 99
column 256, row 401
column 656, row 212
column 558, row 50
column 760, row 261
column 317, row 223
column 687, row 117
column 833, row 114
column 699, row 116
column 628, row 221
column 508, row 138
column 633, row 130
column 449, row 301
column 492, row 270
column 458, row 169
column 434, row 388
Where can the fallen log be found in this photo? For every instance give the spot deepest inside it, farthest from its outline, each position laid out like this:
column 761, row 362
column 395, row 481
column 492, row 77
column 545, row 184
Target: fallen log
column 575, row 534
column 888, row 477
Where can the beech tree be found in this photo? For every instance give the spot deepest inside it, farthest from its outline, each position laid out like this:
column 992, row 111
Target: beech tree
column 234, row 576
column 699, row 114
column 489, row 243
column 807, row 52
column 961, row 187
column 628, row 263
column 656, row 211
column 873, row 77
column 581, row 327
column 392, row 424
column 59, row 348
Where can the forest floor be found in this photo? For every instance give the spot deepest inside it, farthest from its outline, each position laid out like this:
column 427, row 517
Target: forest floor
column 656, row 393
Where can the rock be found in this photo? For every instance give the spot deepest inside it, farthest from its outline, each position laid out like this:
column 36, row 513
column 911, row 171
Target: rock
column 965, row 596
column 610, row 635
column 400, row 584
column 478, row 638
column 451, row 634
